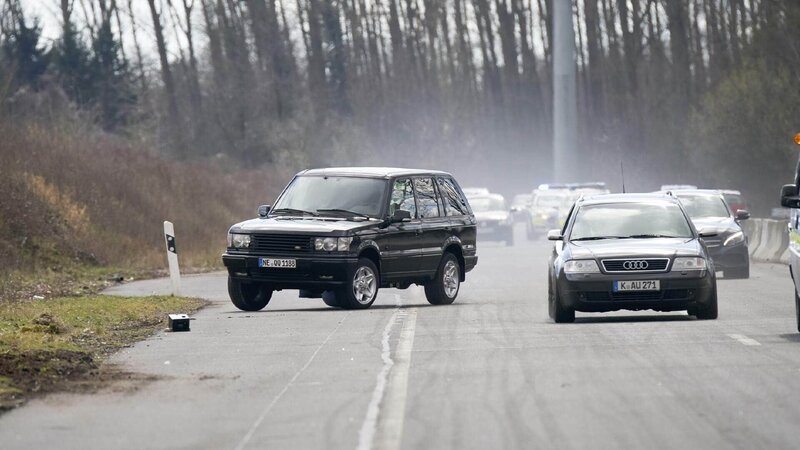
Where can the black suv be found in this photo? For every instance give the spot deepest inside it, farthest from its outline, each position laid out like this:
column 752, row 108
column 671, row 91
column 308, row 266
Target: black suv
column 342, row 233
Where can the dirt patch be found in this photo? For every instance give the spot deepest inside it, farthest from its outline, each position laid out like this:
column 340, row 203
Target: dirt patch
column 39, row 372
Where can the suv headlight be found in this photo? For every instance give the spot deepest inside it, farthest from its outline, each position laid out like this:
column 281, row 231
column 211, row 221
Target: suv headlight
column 332, row 244
column 735, row 238
column 581, row 266
column 684, row 264
column 236, row 240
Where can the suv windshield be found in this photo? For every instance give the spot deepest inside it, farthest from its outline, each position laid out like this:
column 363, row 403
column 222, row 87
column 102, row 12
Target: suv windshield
column 626, row 220
column 333, row 196
column 704, row 206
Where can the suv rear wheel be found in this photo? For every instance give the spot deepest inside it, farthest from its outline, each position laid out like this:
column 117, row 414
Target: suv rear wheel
column 248, row 296
column 443, row 290
column 362, row 288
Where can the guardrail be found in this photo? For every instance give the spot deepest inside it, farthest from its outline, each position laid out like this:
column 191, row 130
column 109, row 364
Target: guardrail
column 768, row 239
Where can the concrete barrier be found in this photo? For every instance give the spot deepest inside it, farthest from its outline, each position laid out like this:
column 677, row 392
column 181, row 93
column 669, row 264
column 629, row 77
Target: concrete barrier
column 768, row 240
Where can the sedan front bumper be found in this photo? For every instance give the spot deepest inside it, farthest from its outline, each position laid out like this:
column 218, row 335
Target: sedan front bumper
column 595, row 292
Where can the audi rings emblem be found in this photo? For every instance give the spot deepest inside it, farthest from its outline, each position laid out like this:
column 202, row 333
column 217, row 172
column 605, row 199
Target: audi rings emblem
column 635, row 265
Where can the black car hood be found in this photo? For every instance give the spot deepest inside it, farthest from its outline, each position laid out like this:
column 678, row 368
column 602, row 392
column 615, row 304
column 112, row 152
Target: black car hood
column 307, row 225
column 613, row 248
column 722, row 224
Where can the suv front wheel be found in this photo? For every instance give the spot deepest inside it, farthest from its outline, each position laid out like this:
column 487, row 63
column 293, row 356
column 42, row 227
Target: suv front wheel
column 362, row 288
column 248, row 296
column 443, row 290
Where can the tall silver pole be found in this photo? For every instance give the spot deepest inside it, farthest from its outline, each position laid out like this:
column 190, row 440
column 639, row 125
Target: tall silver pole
column 565, row 103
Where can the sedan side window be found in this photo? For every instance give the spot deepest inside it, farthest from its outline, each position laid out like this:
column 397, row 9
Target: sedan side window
column 426, row 197
column 403, row 198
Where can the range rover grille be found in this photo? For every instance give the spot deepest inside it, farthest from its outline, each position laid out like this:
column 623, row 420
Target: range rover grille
column 280, row 243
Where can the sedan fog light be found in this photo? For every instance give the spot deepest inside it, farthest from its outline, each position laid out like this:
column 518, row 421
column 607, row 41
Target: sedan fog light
column 683, row 264
column 735, row 238
column 581, row 266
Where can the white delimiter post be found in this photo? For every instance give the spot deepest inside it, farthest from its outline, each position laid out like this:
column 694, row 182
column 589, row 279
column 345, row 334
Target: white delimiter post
column 172, row 258
column 565, row 103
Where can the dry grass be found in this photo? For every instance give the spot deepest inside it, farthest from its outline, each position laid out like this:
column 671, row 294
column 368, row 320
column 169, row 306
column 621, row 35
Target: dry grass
column 77, row 197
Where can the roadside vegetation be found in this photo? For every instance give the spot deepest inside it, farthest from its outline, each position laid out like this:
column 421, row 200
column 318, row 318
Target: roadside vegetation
column 59, row 343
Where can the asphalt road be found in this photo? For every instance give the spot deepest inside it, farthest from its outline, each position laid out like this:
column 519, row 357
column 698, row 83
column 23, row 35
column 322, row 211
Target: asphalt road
column 490, row 371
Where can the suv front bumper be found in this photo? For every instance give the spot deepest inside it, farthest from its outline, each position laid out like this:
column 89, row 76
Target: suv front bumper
column 312, row 272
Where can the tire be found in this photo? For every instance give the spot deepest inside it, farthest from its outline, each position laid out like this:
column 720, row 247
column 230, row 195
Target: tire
column 248, row 296
column 362, row 288
column 707, row 311
column 558, row 312
column 740, row 273
column 797, row 309
column 444, row 288
column 330, row 299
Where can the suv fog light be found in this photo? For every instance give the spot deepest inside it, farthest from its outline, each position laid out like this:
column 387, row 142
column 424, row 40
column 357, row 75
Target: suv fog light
column 236, row 240
column 331, row 244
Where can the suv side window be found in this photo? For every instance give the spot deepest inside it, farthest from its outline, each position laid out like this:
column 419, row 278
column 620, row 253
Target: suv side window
column 403, row 198
column 426, row 198
column 455, row 204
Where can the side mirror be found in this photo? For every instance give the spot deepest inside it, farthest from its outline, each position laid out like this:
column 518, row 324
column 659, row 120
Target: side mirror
column 742, row 214
column 554, row 235
column 263, row 210
column 789, row 197
column 707, row 232
column 401, row 215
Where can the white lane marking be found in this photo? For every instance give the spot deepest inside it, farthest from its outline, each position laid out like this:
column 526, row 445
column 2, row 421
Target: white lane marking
column 271, row 404
column 744, row 339
column 390, row 425
column 385, row 430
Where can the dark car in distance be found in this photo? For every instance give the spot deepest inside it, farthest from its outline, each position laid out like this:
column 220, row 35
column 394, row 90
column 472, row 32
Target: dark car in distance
column 729, row 248
column 495, row 221
column 633, row 252
column 343, row 233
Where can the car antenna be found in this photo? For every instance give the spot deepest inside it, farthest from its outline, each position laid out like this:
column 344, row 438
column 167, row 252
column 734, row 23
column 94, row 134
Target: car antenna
column 622, row 171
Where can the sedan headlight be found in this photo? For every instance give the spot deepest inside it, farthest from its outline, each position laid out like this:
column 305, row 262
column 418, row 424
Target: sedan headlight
column 332, row 244
column 581, row 266
column 684, row 264
column 236, row 240
column 735, row 238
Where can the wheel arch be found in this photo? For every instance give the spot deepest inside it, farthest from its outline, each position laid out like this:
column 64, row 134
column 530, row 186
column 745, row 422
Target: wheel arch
column 458, row 252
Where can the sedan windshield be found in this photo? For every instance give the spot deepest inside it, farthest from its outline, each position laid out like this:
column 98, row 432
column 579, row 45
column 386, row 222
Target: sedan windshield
column 704, row 206
column 630, row 220
column 332, row 196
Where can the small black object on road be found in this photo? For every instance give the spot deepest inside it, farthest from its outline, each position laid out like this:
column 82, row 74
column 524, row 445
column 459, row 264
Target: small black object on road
column 178, row 322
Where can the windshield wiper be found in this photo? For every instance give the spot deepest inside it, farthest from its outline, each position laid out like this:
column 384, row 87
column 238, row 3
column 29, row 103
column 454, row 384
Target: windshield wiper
column 345, row 211
column 649, row 236
column 293, row 211
column 598, row 238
